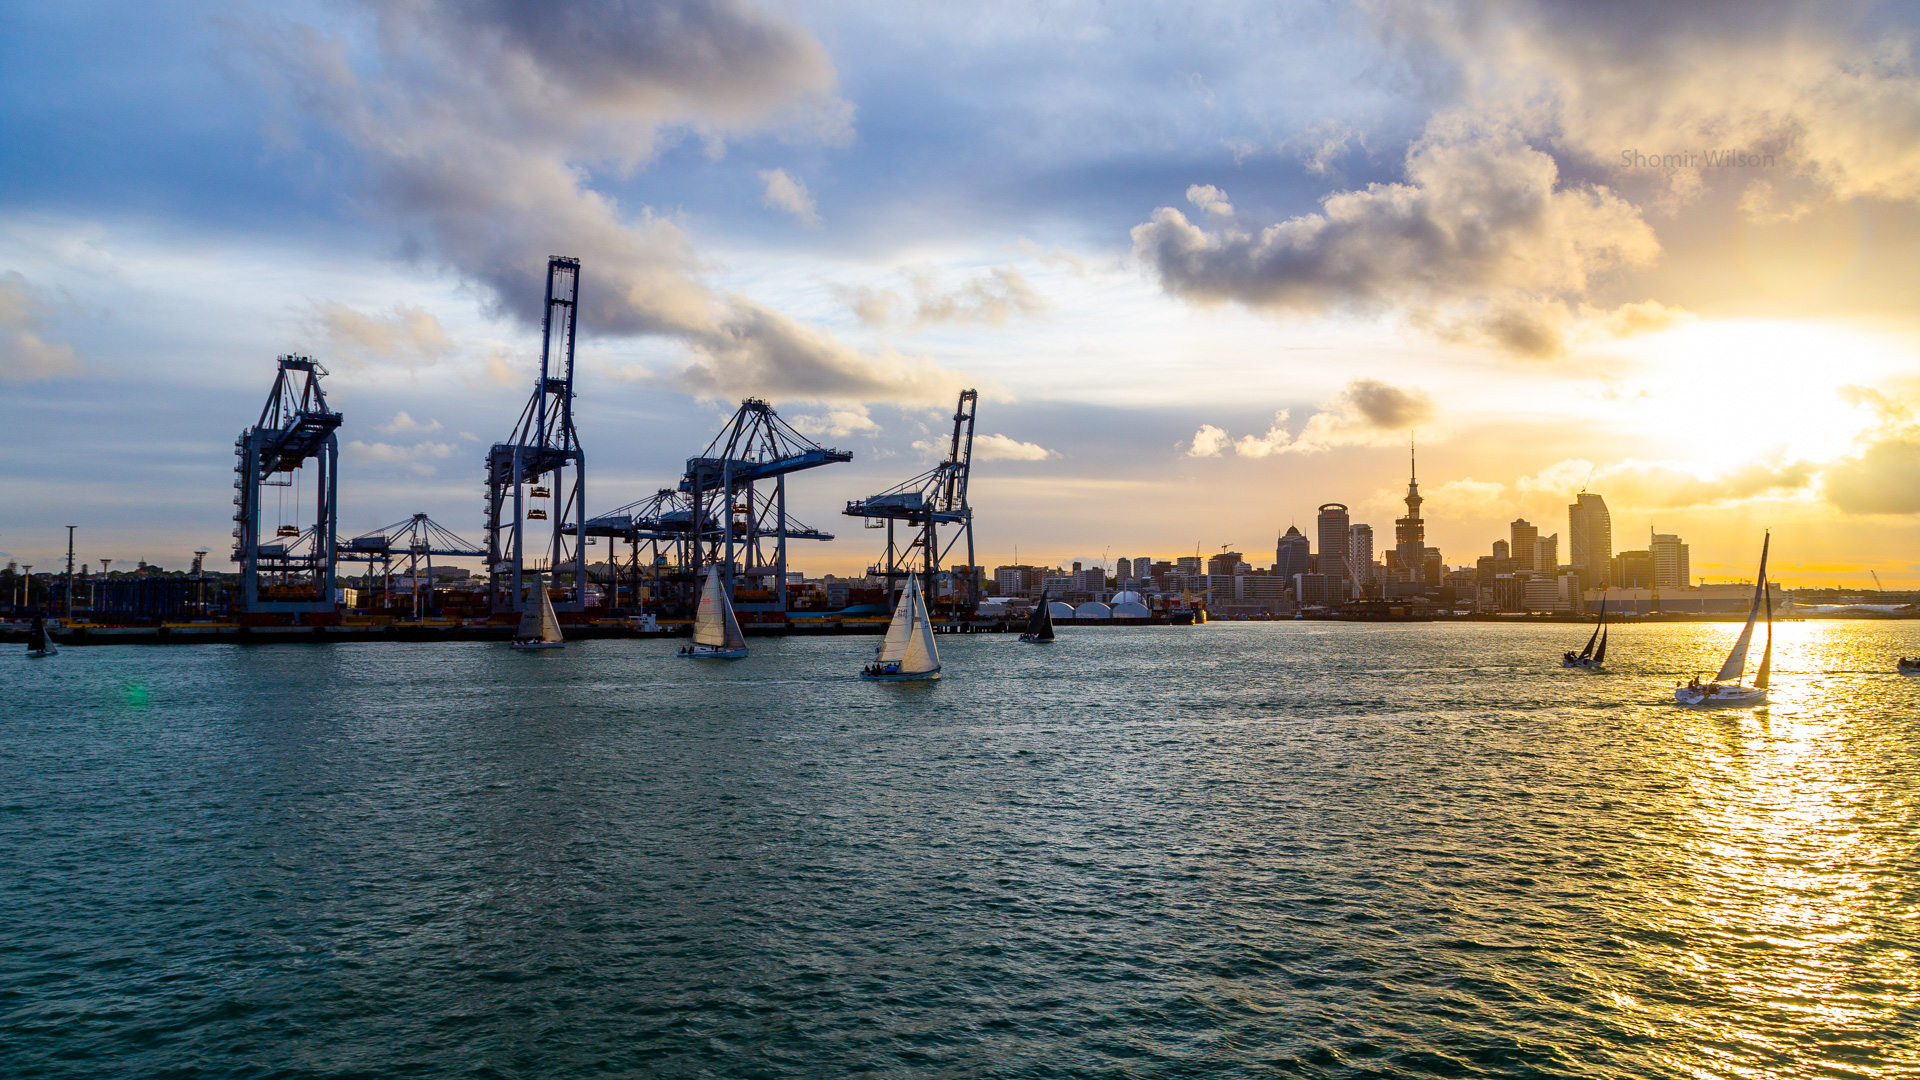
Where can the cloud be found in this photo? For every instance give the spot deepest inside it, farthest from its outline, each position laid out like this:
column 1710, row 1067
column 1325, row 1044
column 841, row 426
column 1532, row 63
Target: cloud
column 413, row 457
column 408, row 334
column 1208, row 441
column 999, row 447
column 479, row 128
column 1382, row 405
column 1467, row 497
column 783, row 192
column 402, row 422
column 837, row 423
column 1210, row 199
column 1883, row 479
column 1480, row 235
column 24, row 352
column 1669, row 485
column 1274, row 441
column 1828, row 89
column 990, row 299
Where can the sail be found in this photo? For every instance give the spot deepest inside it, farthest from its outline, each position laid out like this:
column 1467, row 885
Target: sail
column 549, row 630
column 894, row 647
column 709, row 620
column 732, row 638
column 1040, row 623
column 921, row 655
column 530, row 617
column 1766, row 655
column 1737, row 659
column 1587, row 653
column 1600, row 655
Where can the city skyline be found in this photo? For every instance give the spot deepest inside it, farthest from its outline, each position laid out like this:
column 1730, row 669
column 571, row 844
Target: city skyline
column 1166, row 252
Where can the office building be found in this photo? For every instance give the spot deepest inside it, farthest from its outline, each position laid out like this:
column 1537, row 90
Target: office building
column 1523, row 534
column 1333, row 526
column 1589, row 535
column 1360, row 554
column 1311, row 588
column 1671, row 565
column 1631, row 570
column 1142, row 568
column 1227, row 562
column 1546, row 554
column 1293, row 555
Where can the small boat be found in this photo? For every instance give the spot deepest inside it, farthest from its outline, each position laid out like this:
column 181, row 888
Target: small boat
column 716, row 632
column 39, row 641
column 907, row 653
column 1590, row 657
column 1725, row 690
column 1909, row 667
column 539, row 626
column 1040, row 623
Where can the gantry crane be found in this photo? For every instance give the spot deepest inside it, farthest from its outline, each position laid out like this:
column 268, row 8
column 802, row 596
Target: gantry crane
column 416, row 540
column 736, row 505
column 529, row 495
column 292, row 574
column 928, row 501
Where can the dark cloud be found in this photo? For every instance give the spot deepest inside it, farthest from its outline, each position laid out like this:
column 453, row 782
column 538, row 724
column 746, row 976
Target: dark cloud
column 480, row 125
column 1481, row 232
column 1386, row 406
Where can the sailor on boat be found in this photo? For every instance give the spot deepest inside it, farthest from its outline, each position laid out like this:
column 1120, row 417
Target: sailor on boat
column 1909, row 667
column 1725, row 689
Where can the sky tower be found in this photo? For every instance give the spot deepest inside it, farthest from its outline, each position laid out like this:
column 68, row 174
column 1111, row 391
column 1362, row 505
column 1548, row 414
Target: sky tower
column 1410, row 533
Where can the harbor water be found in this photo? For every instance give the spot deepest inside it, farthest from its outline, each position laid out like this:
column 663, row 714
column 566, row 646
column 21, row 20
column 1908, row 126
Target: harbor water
column 1308, row 849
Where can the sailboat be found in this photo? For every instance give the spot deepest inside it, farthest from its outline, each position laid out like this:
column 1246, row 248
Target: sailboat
column 1590, row 657
column 907, row 653
column 39, row 641
column 1040, row 623
column 1725, row 689
column 716, row 633
column 539, row 626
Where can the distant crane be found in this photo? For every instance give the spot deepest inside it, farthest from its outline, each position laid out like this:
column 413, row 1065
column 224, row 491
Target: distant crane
column 1877, row 587
column 924, row 503
column 417, row 539
column 295, row 427
column 544, row 445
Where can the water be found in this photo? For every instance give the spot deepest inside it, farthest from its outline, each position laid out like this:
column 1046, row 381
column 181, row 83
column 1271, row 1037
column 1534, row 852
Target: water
column 1309, row 849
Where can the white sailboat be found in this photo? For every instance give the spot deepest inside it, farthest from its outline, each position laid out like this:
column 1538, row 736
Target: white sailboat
column 1725, row 690
column 716, row 632
column 539, row 626
column 907, row 653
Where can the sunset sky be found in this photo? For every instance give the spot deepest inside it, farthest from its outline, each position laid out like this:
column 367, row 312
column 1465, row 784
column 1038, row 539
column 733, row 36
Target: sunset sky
column 1208, row 265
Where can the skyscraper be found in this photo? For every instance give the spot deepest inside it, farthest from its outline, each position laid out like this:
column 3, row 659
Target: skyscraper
column 1291, row 555
column 1524, row 534
column 1410, row 533
column 1333, row 547
column 1590, row 536
column 1546, row 553
column 1360, row 549
column 1671, row 569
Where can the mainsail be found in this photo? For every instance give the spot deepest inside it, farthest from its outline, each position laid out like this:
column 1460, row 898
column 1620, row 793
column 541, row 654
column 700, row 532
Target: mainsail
column 1766, row 655
column 538, row 622
column 1736, row 663
column 1587, row 653
column 921, row 656
column 893, row 647
column 714, row 624
column 1040, row 623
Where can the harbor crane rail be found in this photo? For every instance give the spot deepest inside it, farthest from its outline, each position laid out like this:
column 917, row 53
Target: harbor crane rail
column 925, row 503
column 294, row 574
column 533, row 467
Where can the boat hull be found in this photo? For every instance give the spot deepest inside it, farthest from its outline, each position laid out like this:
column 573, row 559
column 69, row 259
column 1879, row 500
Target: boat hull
column 708, row 652
column 1906, row 670
column 1725, row 697
column 896, row 676
column 529, row 646
column 1032, row 640
column 1584, row 664
column 37, row 653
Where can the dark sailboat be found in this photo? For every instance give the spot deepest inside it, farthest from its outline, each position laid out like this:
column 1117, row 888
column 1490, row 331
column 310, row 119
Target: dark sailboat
column 1040, row 623
column 39, row 641
column 1590, row 657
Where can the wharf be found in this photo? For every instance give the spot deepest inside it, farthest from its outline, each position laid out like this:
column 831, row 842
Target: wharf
column 231, row 633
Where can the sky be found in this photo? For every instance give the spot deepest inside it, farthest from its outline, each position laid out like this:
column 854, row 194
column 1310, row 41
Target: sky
column 1209, row 266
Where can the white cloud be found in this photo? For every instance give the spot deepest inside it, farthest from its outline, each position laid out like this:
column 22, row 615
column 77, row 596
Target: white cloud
column 1208, row 441
column 24, row 352
column 406, row 334
column 837, row 423
column 784, row 192
column 1274, row 441
column 990, row 299
column 402, row 422
column 997, row 447
column 1210, row 199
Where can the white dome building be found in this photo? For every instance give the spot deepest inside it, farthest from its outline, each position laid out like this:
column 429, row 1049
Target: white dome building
column 1127, row 596
column 1093, row 609
column 1130, row 611
column 1059, row 610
